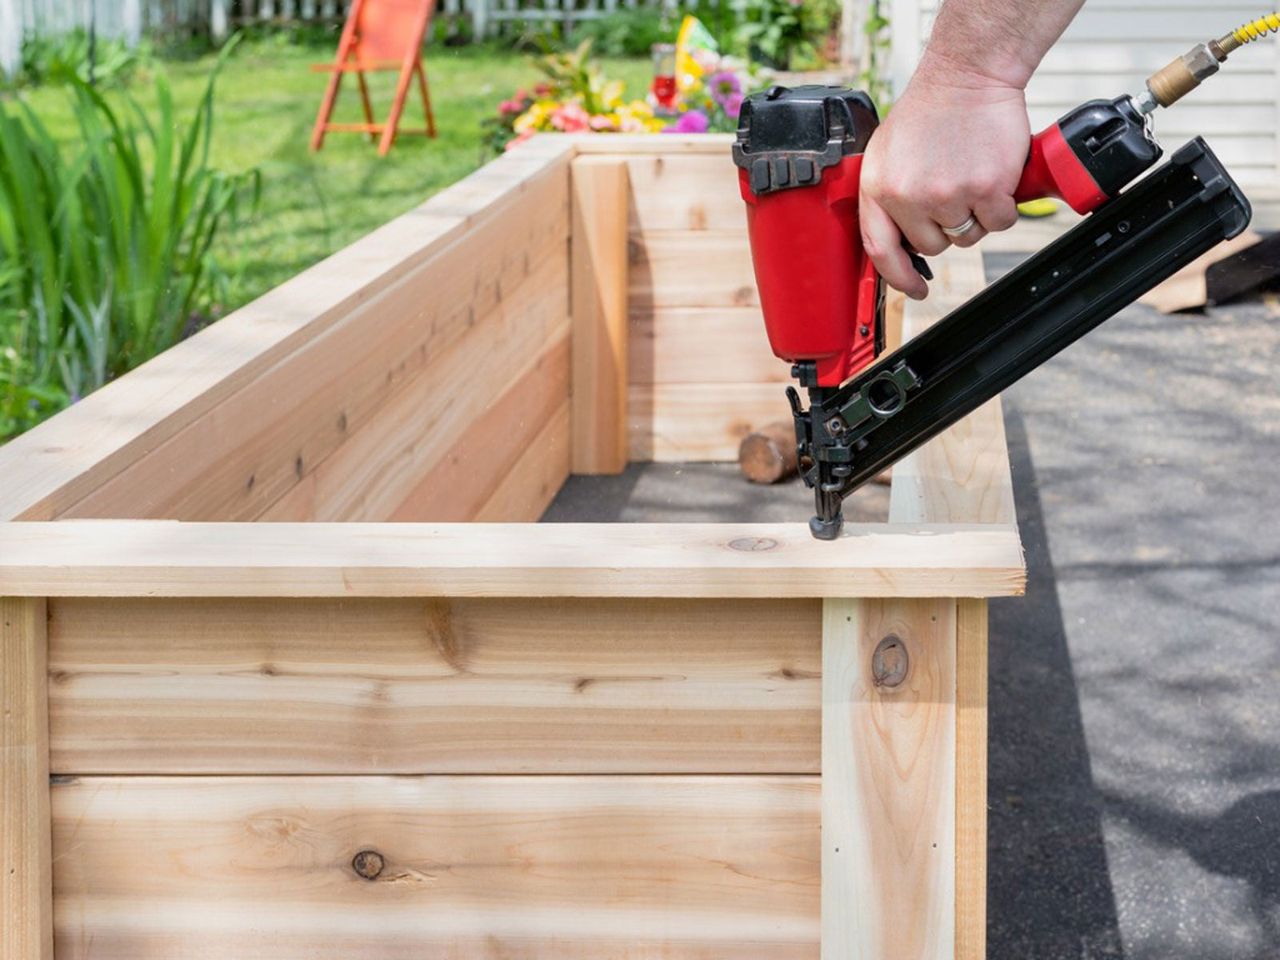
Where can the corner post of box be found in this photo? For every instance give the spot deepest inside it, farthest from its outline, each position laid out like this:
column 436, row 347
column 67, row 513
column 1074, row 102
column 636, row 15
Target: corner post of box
column 598, row 280
column 26, row 858
column 971, row 779
column 889, row 789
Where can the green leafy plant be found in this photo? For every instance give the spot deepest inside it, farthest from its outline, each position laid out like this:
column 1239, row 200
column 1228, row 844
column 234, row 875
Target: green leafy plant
column 49, row 59
column 105, row 248
column 785, row 34
column 875, row 62
column 628, row 32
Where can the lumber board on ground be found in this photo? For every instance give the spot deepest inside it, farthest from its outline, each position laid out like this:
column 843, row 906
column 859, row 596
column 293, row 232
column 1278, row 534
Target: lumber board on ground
column 561, row 868
column 58, row 464
column 599, row 307
column 26, row 885
column 888, row 779
column 320, row 686
column 167, row 558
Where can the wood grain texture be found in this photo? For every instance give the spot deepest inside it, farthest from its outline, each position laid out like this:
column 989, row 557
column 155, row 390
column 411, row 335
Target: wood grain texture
column 971, row 780
column 677, row 268
column 961, row 476
column 693, row 192
column 683, row 422
column 422, row 686
column 888, row 782
column 385, row 470
column 166, row 558
column 26, row 885
column 491, row 445
column 58, row 464
column 387, row 388
column 672, row 345
column 684, row 868
column 537, row 475
column 598, row 257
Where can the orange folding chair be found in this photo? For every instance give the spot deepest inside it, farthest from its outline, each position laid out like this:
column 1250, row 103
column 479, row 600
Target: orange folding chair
column 379, row 35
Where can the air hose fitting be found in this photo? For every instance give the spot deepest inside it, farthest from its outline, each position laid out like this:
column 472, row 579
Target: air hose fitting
column 1171, row 83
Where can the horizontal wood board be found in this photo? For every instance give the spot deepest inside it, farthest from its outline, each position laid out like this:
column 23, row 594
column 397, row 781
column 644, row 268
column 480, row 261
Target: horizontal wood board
column 167, row 558
column 152, row 686
column 533, row 867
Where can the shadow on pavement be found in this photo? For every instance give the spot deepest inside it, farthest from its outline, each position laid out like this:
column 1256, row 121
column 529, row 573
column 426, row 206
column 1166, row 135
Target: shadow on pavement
column 1049, row 890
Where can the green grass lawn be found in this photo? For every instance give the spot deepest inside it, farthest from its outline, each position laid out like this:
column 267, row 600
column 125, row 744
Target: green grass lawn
column 316, row 203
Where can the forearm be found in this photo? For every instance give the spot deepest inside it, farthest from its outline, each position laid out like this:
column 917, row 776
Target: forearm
column 997, row 42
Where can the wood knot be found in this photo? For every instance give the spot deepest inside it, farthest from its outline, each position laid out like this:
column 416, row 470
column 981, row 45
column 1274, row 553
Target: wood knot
column 368, row 864
column 753, row 544
column 890, row 662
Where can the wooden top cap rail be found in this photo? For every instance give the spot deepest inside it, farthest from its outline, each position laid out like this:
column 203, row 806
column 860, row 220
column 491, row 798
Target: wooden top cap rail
column 137, row 558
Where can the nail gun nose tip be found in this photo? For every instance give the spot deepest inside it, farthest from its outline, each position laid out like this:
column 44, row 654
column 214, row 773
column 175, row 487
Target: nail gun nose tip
column 826, row 529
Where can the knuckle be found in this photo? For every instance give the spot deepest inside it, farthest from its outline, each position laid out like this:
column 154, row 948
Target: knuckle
column 931, row 246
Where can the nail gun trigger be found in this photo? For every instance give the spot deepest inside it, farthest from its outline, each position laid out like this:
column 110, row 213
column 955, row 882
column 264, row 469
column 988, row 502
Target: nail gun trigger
column 921, row 265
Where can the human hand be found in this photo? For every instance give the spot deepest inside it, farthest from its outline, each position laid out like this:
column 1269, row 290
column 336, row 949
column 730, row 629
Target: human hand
column 953, row 146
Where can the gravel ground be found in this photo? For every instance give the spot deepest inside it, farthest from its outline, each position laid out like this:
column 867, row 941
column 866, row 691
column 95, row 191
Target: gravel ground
column 1135, row 716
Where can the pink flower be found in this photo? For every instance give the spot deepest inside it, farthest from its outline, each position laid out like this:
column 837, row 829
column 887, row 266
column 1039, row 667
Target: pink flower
column 724, row 85
column 542, row 89
column 570, row 118
column 691, row 121
column 600, row 122
column 733, row 105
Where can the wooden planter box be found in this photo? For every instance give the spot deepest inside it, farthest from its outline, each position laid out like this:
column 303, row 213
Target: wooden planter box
column 339, row 736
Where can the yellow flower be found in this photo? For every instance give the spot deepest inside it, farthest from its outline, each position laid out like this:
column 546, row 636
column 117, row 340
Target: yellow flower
column 537, row 117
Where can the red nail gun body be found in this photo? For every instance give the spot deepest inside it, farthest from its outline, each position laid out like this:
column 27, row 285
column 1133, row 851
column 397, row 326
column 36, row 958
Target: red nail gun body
column 799, row 154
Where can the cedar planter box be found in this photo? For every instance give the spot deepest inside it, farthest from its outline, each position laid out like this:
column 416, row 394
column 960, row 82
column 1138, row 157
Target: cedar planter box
column 404, row 721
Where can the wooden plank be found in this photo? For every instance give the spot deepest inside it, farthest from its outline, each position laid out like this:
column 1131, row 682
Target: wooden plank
column 504, row 446
column 703, row 345
column 543, row 868
column 971, row 780
column 165, row 558
column 386, row 462
column 693, row 192
column 963, row 475
column 49, row 469
column 682, row 269
column 598, row 257
column 26, row 884
column 332, row 399
column 153, row 686
column 888, row 779
column 632, row 144
column 682, row 422
column 537, row 476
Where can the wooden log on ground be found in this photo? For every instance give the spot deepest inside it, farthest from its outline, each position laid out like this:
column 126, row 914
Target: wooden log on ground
column 768, row 455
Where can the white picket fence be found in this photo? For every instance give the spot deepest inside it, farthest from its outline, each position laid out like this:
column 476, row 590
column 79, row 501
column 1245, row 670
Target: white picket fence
column 130, row 19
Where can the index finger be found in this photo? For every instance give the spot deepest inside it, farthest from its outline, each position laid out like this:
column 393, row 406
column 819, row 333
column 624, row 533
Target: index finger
column 882, row 241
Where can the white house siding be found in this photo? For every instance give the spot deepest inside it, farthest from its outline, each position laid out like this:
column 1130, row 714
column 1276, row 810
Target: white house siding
column 1114, row 45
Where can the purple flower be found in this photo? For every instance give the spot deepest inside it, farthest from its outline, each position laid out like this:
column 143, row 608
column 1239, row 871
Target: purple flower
column 723, row 85
column 691, row 121
column 733, row 105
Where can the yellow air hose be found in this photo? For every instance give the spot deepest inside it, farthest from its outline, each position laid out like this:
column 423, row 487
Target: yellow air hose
column 1256, row 28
